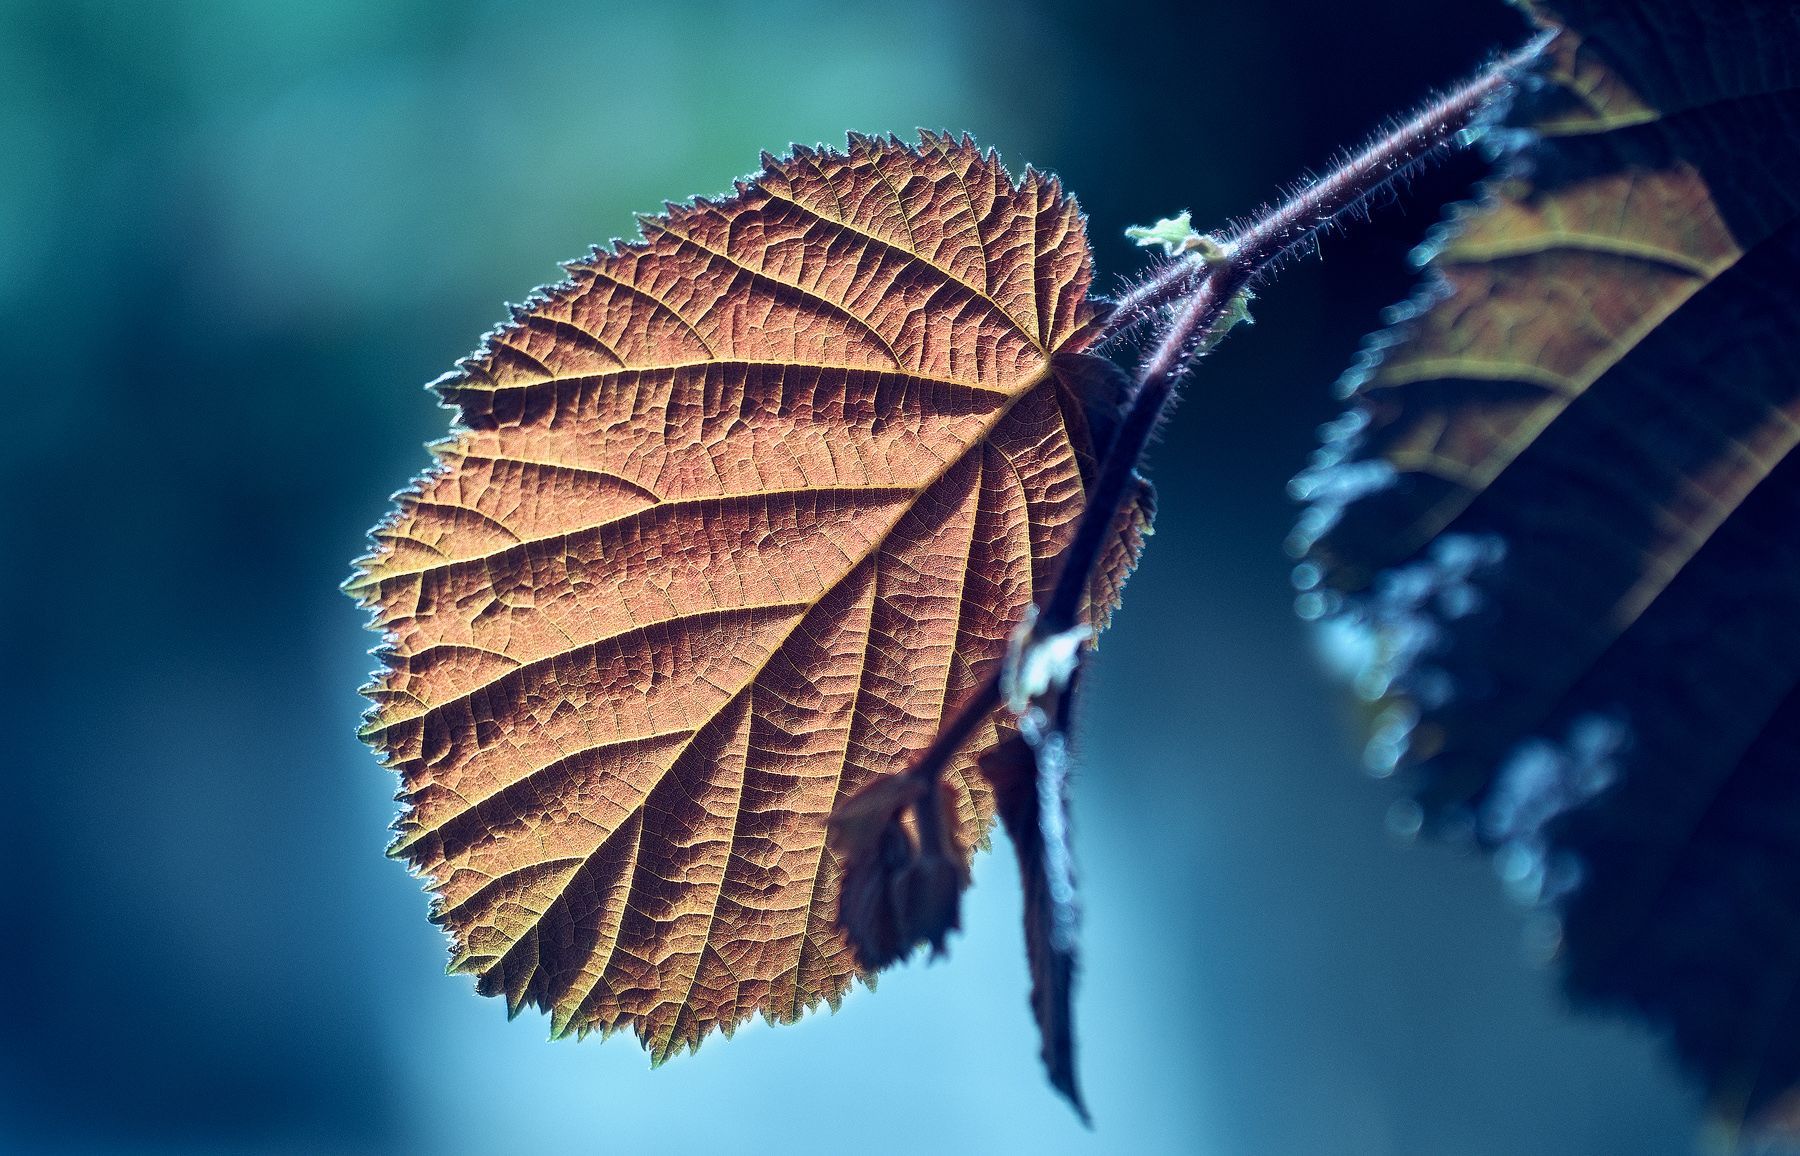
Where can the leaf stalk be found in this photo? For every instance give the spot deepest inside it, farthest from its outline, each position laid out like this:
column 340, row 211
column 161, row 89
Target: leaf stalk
column 1203, row 294
column 1198, row 298
column 1260, row 246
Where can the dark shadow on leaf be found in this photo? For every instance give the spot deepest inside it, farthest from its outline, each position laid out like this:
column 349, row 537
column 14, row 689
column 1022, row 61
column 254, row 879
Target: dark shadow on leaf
column 1558, row 540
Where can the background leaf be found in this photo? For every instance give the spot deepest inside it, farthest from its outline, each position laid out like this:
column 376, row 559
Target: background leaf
column 733, row 516
column 1559, row 534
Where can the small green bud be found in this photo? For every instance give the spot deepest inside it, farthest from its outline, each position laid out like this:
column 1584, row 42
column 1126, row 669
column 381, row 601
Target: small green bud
column 1237, row 313
column 1177, row 235
column 1172, row 233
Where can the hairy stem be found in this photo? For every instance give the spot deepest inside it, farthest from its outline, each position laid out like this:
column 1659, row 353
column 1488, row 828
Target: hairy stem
column 1204, row 293
column 1163, row 285
column 1278, row 234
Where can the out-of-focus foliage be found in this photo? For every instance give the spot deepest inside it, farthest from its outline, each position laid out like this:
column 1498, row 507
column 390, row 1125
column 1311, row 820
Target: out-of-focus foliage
column 731, row 519
column 1559, row 533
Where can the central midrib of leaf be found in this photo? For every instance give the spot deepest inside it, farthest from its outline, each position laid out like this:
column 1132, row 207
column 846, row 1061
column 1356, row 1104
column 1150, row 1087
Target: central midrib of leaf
column 903, row 499
column 728, row 520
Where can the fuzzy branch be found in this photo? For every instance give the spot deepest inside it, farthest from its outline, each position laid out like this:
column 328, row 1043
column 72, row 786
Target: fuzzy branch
column 1200, row 298
column 1259, row 247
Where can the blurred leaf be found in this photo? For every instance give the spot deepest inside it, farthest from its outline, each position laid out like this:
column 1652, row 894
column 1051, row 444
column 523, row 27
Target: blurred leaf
column 1558, row 537
column 729, row 519
column 1030, row 782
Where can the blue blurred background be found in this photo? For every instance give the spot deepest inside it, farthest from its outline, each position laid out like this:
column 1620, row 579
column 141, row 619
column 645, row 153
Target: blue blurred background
column 236, row 238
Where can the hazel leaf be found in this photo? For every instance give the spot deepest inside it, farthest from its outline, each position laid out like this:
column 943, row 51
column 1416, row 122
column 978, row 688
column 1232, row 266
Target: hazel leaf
column 728, row 520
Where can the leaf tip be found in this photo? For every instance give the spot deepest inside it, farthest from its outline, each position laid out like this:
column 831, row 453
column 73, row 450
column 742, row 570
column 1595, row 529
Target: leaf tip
column 463, row 962
column 662, row 1047
column 562, row 1022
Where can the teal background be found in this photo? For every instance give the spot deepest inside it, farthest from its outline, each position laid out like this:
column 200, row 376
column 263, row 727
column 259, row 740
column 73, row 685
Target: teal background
column 236, row 238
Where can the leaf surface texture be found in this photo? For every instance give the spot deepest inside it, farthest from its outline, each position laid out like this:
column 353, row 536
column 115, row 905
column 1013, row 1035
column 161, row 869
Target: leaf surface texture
column 729, row 519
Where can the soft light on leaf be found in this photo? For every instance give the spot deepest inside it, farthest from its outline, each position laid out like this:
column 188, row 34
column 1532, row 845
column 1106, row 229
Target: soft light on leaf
column 729, row 519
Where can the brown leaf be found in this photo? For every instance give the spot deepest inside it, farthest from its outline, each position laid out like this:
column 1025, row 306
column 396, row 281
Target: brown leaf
column 729, row 517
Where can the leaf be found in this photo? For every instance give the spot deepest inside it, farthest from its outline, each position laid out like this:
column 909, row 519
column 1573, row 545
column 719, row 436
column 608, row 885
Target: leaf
column 1030, row 782
column 900, row 888
column 730, row 517
column 1558, row 537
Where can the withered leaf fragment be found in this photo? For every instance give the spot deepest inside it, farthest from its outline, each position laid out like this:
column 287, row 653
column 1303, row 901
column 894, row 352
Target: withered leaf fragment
column 726, row 519
column 1560, row 530
column 901, row 887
